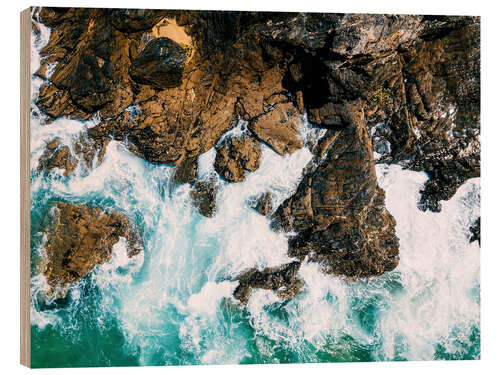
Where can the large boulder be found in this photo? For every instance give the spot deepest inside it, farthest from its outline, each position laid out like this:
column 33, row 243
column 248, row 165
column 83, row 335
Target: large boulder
column 338, row 211
column 160, row 64
column 79, row 238
column 236, row 156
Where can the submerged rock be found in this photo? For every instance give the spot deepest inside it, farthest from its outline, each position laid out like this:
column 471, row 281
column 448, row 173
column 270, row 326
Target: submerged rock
column 283, row 280
column 236, row 156
column 79, row 238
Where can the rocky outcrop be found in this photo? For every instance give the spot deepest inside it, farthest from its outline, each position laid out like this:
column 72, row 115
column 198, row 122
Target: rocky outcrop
column 278, row 128
column 237, row 155
column 169, row 84
column 84, row 149
column 79, row 238
column 204, row 195
column 263, row 204
column 283, row 280
column 338, row 211
column 160, row 64
column 186, row 171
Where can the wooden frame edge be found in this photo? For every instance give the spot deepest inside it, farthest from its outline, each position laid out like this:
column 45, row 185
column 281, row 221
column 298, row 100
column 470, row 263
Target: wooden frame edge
column 25, row 186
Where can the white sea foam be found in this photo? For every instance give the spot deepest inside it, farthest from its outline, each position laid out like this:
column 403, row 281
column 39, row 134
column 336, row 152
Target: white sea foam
column 169, row 297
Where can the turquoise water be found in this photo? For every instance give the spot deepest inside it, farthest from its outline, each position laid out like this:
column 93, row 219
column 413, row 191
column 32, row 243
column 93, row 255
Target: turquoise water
column 173, row 305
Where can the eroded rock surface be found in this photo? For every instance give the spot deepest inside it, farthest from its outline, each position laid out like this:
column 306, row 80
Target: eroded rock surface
column 204, row 195
column 283, row 280
column 236, row 156
column 79, row 238
column 169, row 84
column 338, row 211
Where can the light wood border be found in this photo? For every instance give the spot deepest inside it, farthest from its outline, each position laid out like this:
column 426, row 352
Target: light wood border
column 25, row 186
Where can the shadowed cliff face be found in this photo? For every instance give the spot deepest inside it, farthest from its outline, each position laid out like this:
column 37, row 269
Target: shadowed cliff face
column 168, row 84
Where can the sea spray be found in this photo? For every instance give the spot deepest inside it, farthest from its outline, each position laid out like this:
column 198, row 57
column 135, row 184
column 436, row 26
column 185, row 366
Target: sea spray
column 173, row 303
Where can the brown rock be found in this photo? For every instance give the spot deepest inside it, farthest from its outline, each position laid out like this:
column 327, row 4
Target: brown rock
column 80, row 238
column 160, row 64
column 60, row 156
column 237, row 155
column 186, row 171
column 278, row 128
column 263, row 204
column 338, row 210
column 283, row 280
column 204, row 195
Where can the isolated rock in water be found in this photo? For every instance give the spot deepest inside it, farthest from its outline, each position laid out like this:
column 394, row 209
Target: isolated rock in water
column 186, row 171
column 263, row 204
column 475, row 230
column 160, row 64
column 338, row 211
column 236, row 156
column 204, row 195
column 283, row 280
column 279, row 128
column 80, row 238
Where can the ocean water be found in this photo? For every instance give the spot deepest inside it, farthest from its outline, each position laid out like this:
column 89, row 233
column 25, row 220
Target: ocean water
column 173, row 304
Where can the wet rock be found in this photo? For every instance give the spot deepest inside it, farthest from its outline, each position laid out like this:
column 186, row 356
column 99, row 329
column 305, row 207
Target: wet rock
column 475, row 230
column 236, row 156
column 186, row 171
column 338, row 211
column 204, row 195
column 279, row 128
column 86, row 149
column 134, row 20
column 160, row 64
column 283, row 280
column 57, row 156
column 263, row 204
column 79, row 238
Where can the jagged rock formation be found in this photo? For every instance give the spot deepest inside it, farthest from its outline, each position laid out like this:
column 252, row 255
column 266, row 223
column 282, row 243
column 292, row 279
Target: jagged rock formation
column 59, row 156
column 283, row 280
column 204, row 195
column 168, row 84
column 236, row 156
column 338, row 211
column 263, row 204
column 80, row 238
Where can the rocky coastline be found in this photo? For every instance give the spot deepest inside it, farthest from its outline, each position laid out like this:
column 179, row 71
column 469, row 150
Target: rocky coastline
column 169, row 84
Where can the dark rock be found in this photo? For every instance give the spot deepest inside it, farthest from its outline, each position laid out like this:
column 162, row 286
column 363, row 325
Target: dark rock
column 186, row 171
column 160, row 64
column 283, row 280
column 134, row 20
column 236, row 156
column 263, row 204
column 475, row 230
column 338, row 211
column 79, row 238
column 204, row 195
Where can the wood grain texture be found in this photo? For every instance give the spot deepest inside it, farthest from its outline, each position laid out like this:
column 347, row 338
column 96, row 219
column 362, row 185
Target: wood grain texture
column 25, row 186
